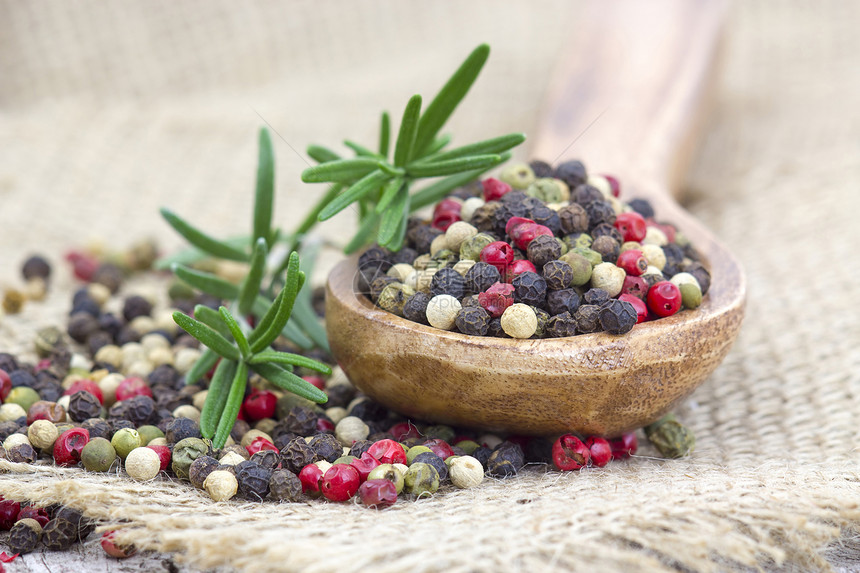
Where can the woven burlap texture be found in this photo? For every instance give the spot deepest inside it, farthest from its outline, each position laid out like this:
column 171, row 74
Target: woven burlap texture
column 112, row 110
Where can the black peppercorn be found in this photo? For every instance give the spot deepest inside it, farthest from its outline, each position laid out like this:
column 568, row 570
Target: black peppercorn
column 379, row 284
column 359, row 447
column 326, row 446
column 538, row 450
column 404, row 255
column 495, row 328
column 545, row 216
column 482, row 454
column 571, row 172
column 127, row 334
column 282, row 439
column 542, row 320
column 506, row 460
column 97, row 340
column 340, row 395
column 97, row 428
column 701, row 274
column 481, row 277
column 599, row 212
column 673, row 253
column 573, row 218
column 561, row 325
column 473, row 321
column 253, row 480
column 587, row 319
column 448, row 281
column 36, row 267
column 59, row 534
column 7, row 428
column 141, row 410
column 86, row 305
column 200, row 469
column 421, row 237
column 24, row 536
column 643, row 207
column 369, row 411
column 166, row 375
column 83, row 405
column 117, row 424
column 21, row 454
column 81, row 326
column 267, row 459
column 617, row 316
column 285, row 486
column 109, row 323
column 557, row 274
column 297, row 454
column 433, row 460
column 483, row 218
column 109, row 275
column 585, row 194
column 595, row 296
column 21, row 377
column 471, row 300
column 301, row 420
column 543, row 249
column 608, row 248
column 563, row 300
column 541, row 168
column 530, row 289
column 179, row 429
column 8, row 362
column 135, row 306
column 606, row 229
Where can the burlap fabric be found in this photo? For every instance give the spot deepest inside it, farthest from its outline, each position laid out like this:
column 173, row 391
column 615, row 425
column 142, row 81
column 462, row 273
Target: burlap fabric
column 112, row 110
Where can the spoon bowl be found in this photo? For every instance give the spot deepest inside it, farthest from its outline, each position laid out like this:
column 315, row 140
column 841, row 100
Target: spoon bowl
column 595, row 383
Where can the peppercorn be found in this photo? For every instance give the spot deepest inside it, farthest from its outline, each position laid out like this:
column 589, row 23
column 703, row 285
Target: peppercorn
column 701, row 274
column 543, row 249
column 643, row 207
column 98, row 455
column 59, row 534
column 221, row 485
column 142, row 464
column 21, row 453
column 125, row 440
column 83, row 405
column 301, row 420
column 267, row 458
column 181, row 428
column 609, row 278
column 561, row 325
column 442, row 311
column 326, row 447
column 608, row 248
column 471, row 248
column 421, row 479
column 671, row 438
column 24, row 536
column 81, row 326
column 569, row 453
column 587, row 318
column 546, row 217
column 368, row 410
column 572, row 173
column 36, row 267
column 606, row 230
column 518, row 175
column 351, row 429
column 253, row 480
column 546, row 189
column 483, row 218
column 506, row 460
column 404, row 255
column 448, row 281
column 558, row 274
column 617, row 316
column 519, row 321
column 285, row 486
column 542, row 320
column 378, row 285
column 563, row 300
column 432, row 459
column 481, row 277
column 200, row 469
column 530, row 289
column 184, row 454
column 691, row 295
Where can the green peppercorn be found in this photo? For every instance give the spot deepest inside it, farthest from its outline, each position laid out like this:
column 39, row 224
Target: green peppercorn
column 575, row 240
column 149, row 433
column 389, row 472
column 591, row 255
column 691, row 295
column 468, row 446
column 542, row 319
column 421, row 479
column 393, row 297
column 347, row 460
column 184, row 454
column 518, row 175
column 440, row 431
column 471, row 248
column 47, row 340
column 412, row 452
column 671, row 438
column 24, row 396
column 444, row 258
column 546, row 189
column 124, row 441
column 98, row 455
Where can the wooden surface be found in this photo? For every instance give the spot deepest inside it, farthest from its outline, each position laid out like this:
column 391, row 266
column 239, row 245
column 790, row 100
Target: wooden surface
column 639, row 77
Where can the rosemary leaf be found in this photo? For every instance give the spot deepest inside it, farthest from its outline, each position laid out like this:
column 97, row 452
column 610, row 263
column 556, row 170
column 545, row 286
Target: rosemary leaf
column 436, row 191
column 235, row 331
column 294, row 334
column 362, row 187
column 251, row 284
column 276, row 357
column 449, row 97
column 265, row 194
column 307, row 320
column 384, row 134
column 392, row 217
column 294, row 281
column 207, row 360
column 232, row 406
column 437, row 144
column 211, row 318
column 201, row 240
column 397, row 240
column 322, row 154
column 206, row 336
column 207, row 282
column 362, row 236
column 361, row 150
column 494, row 145
column 389, row 192
column 408, row 129
column 216, row 398
column 453, row 166
column 290, row 382
column 340, row 170
column 191, row 255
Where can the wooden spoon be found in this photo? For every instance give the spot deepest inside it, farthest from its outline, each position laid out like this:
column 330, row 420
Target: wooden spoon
column 643, row 71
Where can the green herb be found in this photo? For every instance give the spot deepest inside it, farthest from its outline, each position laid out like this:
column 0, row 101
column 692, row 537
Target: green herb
column 382, row 188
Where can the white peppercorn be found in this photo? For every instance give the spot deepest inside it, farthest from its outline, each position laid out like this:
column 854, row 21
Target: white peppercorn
column 252, row 435
column 519, row 321
column 470, row 205
column 438, row 244
column 231, row 459
column 42, row 434
column 110, row 354
column 442, row 311
column 16, row 439
column 184, row 359
column 187, row 411
column 351, row 429
column 458, row 232
column 466, row 472
column 221, row 485
column 400, row 271
column 463, row 266
column 142, row 464
column 335, row 414
column 108, row 386
column 654, row 255
column 11, row 411
column 608, row 277
column 654, row 236
column 600, row 183
column 681, row 279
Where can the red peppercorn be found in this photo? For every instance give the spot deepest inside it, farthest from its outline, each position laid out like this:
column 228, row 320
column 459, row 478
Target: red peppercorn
column 600, row 450
column 9, row 511
column 114, row 550
column 499, row 254
column 668, row 230
column 519, row 267
column 447, row 205
column 5, row 385
column 664, row 299
column 638, row 304
column 445, row 219
column 37, row 513
column 633, row 262
column 404, row 430
column 387, row 452
column 86, row 386
column 67, row 448
column 260, row 404
column 317, row 381
column 324, row 425
column 635, row 286
column 163, row 455
column 42, row 364
column 43, row 410
column 569, row 453
column 258, row 444
column 614, row 184
column 340, row 482
column 311, row 476
column 494, row 189
column 631, row 225
column 525, row 234
column 378, row 493
column 439, row 447
column 514, row 222
column 83, row 266
column 365, row 465
column 497, row 298
column 624, row 446
column 131, row 387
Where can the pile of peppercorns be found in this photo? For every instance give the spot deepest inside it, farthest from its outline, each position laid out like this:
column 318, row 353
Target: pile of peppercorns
column 538, row 253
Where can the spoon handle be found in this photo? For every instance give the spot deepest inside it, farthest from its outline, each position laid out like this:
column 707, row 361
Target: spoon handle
column 630, row 91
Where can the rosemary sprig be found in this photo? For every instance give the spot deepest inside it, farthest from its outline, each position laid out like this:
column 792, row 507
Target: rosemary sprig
column 243, row 349
column 382, row 188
